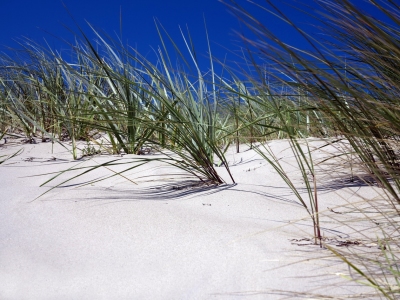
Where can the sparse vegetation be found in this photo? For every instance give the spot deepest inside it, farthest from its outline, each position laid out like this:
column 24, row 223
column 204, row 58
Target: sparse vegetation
column 347, row 88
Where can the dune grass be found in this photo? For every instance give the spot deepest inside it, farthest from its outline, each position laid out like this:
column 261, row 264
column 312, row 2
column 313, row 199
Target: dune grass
column 351, row 83
column 345, row 89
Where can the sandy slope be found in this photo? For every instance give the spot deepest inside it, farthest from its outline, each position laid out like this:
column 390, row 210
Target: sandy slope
column 161, row 238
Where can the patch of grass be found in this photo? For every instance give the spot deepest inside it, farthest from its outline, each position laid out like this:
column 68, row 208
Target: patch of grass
column 344, row 88
column 350, row 81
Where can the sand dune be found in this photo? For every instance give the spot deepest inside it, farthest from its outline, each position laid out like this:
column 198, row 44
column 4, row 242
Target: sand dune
column 165, row 236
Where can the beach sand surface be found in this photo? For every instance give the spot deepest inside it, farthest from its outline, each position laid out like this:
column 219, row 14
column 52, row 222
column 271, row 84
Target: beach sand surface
column 156, row 233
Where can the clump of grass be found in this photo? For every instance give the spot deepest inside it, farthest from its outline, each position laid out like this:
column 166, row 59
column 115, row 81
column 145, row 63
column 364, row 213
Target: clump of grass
column 109, row 89
column 274, row 115
column 192, row 117
column 351, row 83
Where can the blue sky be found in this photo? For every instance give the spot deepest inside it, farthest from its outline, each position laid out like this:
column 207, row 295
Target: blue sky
column 45, row 19
column 40, row 19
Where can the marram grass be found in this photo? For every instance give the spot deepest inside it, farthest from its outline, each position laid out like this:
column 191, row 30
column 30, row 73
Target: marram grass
column 350, row 82
column 345, row 88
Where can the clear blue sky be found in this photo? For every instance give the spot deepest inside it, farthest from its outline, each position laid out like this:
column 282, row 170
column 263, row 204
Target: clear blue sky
column 38, row 19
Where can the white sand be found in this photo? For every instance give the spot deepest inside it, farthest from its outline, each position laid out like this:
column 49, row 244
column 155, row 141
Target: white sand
column 117, row 240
